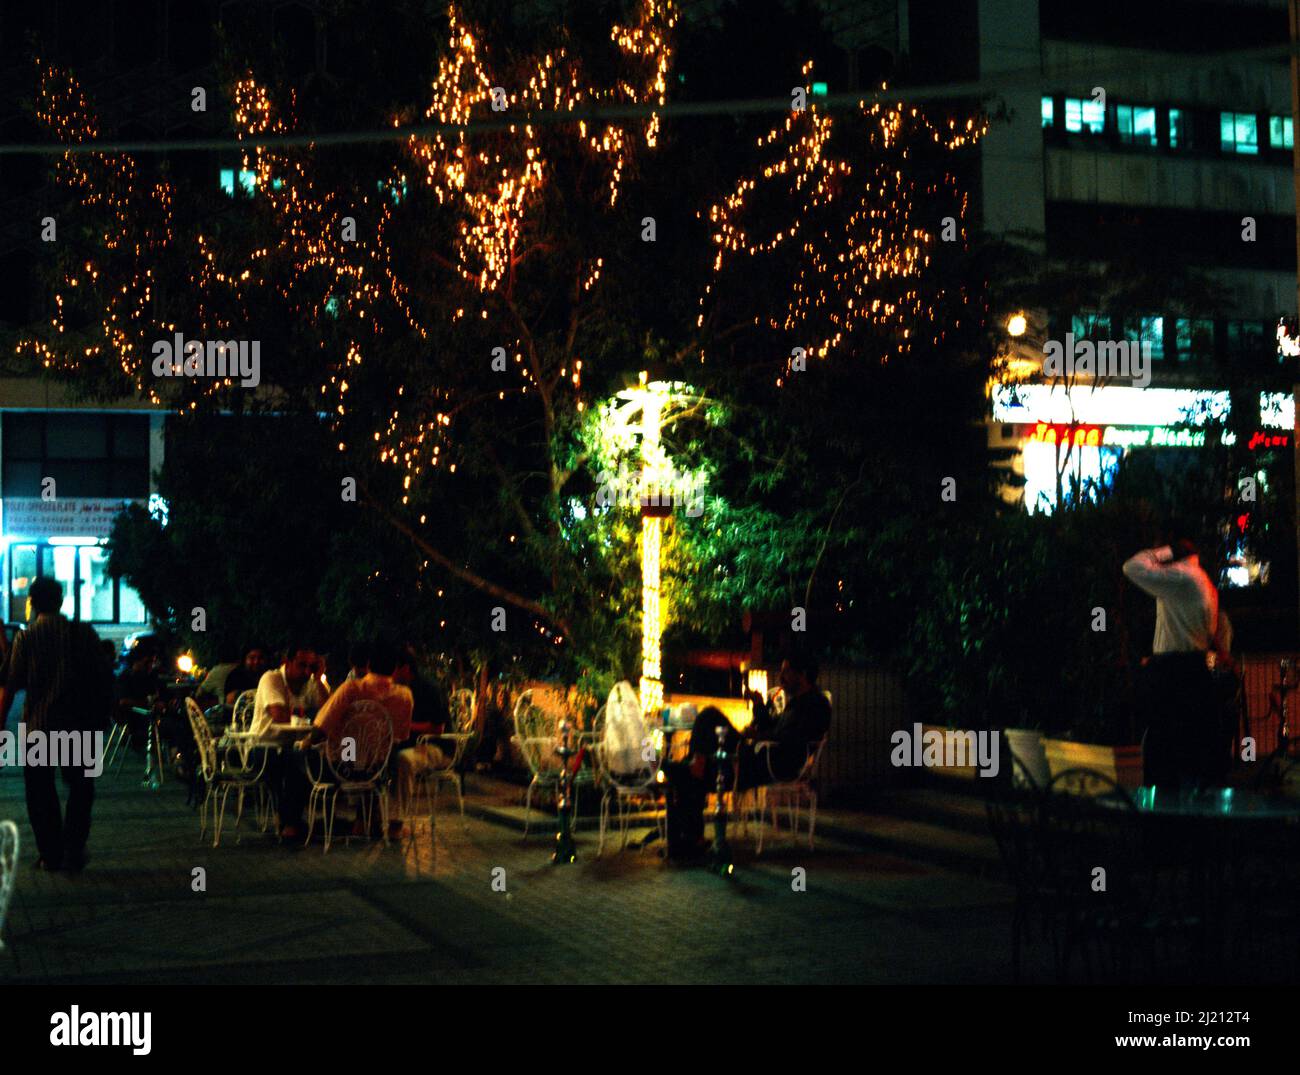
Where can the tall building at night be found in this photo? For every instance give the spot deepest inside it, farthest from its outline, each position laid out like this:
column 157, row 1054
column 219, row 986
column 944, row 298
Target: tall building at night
column 1128, row 133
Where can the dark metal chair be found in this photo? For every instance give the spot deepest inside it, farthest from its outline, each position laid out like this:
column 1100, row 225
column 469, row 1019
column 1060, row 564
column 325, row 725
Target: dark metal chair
column 1014, row 809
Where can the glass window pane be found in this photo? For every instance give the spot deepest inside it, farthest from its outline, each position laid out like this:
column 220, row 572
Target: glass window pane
column 1094, row 116
column 76, row 436
column 1124, row 122
column 1227, row 140
column 22, row 569
column 1049, row 111
column 1177, row 133
column 1281, row 132
column 22, row 436
column 1144, row 126
column 23, row 479
column 1073, row 114
column 130, row 437
column 96, row 584
column 130, row 607
column 61, row 562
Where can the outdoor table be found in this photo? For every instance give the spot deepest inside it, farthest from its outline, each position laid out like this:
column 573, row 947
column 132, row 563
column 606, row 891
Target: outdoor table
column 1219, row 835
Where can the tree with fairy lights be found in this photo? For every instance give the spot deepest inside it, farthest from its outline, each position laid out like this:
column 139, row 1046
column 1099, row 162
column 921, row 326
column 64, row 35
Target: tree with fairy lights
column 458, row 302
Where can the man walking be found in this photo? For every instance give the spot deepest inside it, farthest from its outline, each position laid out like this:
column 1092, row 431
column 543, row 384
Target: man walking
column 62, row 667
column 1182, row 743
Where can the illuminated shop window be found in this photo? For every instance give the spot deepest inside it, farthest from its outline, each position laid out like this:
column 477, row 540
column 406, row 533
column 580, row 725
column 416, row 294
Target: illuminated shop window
column 1281, row 132
column 1049, row 112
column 1194, row 339
column 1083, row 115
column 1180, row 133
column 1238, row 133
column 1136, row 126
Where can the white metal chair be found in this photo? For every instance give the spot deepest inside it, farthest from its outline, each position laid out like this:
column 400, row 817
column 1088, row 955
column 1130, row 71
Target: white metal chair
column 463, row 714
column 8, row 870
column 241, row 719
column 537, row 737
column 794, row 795
column 627, row 763
column 219, row 780
column 352, row 765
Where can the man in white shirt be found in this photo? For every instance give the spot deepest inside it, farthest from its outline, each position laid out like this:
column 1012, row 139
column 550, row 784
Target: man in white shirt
column 1182, row 742
column 292, row 690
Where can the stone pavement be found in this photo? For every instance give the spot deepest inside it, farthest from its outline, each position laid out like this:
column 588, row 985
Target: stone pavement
column 425, row 911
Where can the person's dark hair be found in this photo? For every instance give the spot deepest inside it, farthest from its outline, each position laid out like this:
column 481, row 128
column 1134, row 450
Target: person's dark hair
column 255, row 646
column 298, row 646
column 1183, row 548
column 804, row 663
column 406, row 656
column 711, row 716
column 383, row 658
column 359, row 655
column 46, row 594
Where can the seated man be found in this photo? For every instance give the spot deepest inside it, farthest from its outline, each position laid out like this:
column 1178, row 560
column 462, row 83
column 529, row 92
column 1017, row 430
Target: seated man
column 245, row 676
column 376, row 685
column 292, row 690
column 806, row 719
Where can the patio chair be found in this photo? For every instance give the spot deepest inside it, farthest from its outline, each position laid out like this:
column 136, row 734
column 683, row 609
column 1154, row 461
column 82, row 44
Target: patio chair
column 1147, row 908
column 220, row 779
column 627, row 777
column 8, row 870
column 1015, row 809
column 463, row 716
column 794, row 794
column 241, row 719
column 538, row 739
column 352, row 765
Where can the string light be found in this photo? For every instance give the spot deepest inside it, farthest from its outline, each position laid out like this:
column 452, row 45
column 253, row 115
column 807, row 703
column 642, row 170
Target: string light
column 865, row 266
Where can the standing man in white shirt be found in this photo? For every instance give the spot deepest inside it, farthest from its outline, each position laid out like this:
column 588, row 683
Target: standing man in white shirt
column 1182, row 740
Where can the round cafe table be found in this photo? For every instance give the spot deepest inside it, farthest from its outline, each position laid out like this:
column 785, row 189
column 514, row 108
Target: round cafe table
column 1235, row 846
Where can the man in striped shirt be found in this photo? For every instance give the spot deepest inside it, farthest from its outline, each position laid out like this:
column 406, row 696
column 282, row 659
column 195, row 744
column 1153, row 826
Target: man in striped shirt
column 62, row 667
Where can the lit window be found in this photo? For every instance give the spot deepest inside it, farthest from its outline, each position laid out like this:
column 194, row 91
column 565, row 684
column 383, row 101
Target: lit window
column 1049, row 112
column 1246, row 339
column 1148, row 330
column 1090, row 326
column 1238, row 133
column 1179, row 133
column 1137, row 126
column 1281, row 132
column 1084, row 115
column 1194, row 338
column 396, row 191
column 247, row 181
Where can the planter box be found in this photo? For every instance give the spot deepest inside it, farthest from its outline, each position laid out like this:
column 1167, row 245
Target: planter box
column 951, row 772
column 1122, row 764
column 1027, row 745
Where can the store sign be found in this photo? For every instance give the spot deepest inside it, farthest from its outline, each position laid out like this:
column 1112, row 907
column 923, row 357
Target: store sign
column 32, row 517
column 1043, row 433
column 1090, row 436
column 1153, row 437
column 1268, row 440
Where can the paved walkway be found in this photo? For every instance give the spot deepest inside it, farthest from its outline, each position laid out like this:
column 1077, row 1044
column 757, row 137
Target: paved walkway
column 425, row 911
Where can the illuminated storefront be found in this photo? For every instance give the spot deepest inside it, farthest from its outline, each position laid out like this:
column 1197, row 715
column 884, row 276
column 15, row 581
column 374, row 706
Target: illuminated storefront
column 1070, row 442
column 66, row 475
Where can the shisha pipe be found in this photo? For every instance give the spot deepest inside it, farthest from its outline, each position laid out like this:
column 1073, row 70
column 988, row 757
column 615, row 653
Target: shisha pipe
column 565, row 851
column 721, row 858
